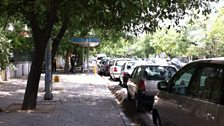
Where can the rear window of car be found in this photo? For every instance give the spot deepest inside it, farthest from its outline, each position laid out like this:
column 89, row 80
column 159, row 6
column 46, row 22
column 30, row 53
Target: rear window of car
column 171, row 69
column 130, row 65
column 156, row 73
column 120, row 62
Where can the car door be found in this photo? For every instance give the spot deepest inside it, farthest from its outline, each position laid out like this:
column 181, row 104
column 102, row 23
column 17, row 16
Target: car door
column 206, row 89
column 171, row 106
column 112, row 67
column 122, row 71
column 220, row 113
column 133, row 81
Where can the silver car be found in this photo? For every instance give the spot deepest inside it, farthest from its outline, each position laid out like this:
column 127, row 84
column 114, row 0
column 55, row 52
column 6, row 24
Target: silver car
column 127, row 69
column 142, row 84
column 194, row 96
column 115, row 68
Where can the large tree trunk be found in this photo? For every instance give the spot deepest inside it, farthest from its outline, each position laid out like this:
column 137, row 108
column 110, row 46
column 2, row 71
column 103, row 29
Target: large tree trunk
column 30, row 96
column 41, row 33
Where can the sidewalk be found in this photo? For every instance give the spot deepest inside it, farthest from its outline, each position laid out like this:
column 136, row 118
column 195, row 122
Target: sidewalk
column 79, row 100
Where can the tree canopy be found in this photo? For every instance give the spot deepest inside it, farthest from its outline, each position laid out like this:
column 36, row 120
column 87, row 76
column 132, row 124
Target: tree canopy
column 42, row 16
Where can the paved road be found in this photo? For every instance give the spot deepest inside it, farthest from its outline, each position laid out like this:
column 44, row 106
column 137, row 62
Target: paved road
column 142, row 118
column 79, row 100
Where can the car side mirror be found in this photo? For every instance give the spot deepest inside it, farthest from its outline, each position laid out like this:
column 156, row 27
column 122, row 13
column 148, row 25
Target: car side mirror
column 128, row 67
column 162, row 85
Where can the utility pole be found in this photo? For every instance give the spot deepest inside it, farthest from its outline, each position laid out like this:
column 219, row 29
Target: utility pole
column 48, row 72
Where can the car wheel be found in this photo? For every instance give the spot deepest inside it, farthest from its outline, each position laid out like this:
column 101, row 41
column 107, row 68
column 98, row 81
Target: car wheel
column 138, row 105
column 156, row 119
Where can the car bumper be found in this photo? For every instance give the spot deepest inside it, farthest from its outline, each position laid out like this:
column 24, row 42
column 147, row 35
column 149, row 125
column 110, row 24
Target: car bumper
column 115, row 75
column 145, row 99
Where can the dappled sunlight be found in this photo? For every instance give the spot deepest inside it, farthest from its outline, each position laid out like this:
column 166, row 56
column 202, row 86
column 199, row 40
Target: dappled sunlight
column 121, row 95
column 4, row 93
column 40, row 94
column 87, row 90
column 57, row 92
column 20, row 91
column 80, row 78
column 41, row 108
column 74, row 97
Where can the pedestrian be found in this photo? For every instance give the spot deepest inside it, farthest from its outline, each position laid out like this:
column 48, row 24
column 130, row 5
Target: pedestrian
column 72, row 61
column 54, row 65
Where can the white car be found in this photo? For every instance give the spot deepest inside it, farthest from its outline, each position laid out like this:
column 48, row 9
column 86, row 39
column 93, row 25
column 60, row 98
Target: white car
column 126, row 70
column 115, row 67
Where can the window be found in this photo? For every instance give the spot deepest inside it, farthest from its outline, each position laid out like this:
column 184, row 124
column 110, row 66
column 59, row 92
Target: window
column 181, row 81
column 138, row 72
column 171, row 70
column 120, row 62
column 134, row 74
column 112, row 63
column 123, row 66
column 155, row 73
column 130, row 65
column 207, row 83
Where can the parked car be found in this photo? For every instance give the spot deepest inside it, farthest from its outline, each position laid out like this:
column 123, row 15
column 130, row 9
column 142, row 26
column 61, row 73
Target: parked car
column 100, row 56
column 126, row 70
column 142, row 84
column 194, row 96
column 115, row 67
column 104, row 67
column 179, row 62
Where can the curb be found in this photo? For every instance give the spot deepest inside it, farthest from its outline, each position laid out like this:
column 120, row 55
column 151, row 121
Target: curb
column 126, row 121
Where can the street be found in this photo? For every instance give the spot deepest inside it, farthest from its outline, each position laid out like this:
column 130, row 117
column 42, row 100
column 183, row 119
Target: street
column 139, row 118
column 79, row 100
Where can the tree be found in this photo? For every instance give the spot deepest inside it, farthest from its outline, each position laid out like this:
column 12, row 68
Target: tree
column 5, row 50
column 169, row 41
column 131, row 15
column 214, row 44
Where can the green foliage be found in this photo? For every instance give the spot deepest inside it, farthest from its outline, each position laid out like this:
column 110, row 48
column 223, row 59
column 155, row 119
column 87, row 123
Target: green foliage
column 215, row 36
column 109, row 17
column 21, row 41
column 169, row 41
column 5, row 50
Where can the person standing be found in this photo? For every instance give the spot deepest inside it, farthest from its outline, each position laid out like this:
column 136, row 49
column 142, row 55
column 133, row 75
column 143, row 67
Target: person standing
column 54, row 66
column 72, row 60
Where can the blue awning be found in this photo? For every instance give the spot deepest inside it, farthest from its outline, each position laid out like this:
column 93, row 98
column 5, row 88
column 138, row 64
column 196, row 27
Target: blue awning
column 90, row 41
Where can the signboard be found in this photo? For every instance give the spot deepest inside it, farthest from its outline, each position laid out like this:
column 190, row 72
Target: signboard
column 86, row 42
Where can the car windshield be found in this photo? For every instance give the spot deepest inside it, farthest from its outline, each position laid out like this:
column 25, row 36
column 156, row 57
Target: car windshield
column 130, row 65
column 157, row 73
column 171, row 70
column 120, row 62
column 105, row 61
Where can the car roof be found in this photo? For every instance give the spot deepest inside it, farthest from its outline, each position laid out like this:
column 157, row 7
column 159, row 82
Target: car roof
column 216, row 60
column 150, row 65
column 121, row 59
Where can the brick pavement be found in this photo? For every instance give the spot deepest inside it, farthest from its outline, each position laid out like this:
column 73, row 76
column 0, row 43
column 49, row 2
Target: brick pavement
column 79, row 100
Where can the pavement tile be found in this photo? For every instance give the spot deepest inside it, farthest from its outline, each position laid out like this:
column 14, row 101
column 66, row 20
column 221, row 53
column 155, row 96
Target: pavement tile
column 79, row 100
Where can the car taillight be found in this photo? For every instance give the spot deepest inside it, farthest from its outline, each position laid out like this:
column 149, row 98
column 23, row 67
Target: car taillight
column 115, row 69
column 125, row 74
column 141, row 85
